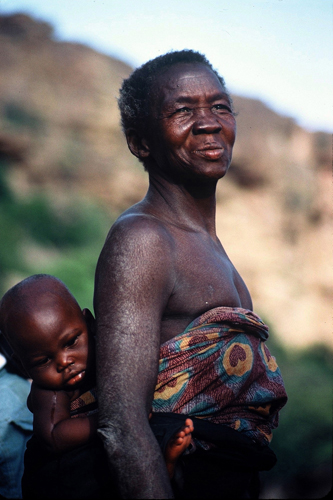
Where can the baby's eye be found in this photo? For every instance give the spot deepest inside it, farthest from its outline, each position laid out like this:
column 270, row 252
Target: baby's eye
column 41, row 362
column 72, row 341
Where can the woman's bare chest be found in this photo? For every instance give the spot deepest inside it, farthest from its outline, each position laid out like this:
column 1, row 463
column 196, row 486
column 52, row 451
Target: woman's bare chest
column 204, row 278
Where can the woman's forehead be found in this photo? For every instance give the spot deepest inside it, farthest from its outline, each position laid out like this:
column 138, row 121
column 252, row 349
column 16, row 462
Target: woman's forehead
column 185, row 80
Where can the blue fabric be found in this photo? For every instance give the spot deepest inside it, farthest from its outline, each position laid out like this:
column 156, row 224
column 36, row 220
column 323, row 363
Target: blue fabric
column 15, row 430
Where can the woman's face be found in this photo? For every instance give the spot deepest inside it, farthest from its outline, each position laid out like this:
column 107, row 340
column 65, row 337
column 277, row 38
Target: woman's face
column 193, row 124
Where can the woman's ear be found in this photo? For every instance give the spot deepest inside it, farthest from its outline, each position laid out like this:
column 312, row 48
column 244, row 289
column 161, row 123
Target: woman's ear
column 137, row 145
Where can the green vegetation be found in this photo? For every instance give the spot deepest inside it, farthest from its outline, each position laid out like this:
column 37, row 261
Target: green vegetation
column 19, row 117
column 38, row 236
column 303, row 440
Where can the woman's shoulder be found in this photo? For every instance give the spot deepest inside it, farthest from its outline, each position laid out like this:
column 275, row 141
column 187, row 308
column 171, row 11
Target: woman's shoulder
column 139, row 228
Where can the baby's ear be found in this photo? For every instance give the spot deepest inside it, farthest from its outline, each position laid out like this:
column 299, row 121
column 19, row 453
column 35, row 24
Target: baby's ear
column 12, row 359
column 16, row 361
column 90, row 320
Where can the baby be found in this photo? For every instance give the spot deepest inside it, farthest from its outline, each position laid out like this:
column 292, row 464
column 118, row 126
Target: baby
column 54, row 341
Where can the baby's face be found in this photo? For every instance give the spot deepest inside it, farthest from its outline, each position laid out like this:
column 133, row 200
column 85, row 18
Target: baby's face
column 57, row 348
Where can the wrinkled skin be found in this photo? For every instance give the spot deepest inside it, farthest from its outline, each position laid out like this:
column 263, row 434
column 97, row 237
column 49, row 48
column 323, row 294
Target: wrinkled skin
column 162, row 265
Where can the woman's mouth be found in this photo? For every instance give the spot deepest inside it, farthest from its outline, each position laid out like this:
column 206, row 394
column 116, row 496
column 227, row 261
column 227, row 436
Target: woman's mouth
column 210, row 152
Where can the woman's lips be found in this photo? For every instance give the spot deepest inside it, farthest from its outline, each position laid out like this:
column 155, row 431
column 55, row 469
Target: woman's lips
column 210, row 153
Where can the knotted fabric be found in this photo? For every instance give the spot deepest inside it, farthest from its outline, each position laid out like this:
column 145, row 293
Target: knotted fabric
column 220, row 369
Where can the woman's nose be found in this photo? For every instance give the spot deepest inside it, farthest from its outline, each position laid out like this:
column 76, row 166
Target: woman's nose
column 205, row 122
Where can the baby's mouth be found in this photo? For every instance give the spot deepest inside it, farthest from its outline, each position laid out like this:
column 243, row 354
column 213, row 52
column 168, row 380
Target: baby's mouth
column 76, row 378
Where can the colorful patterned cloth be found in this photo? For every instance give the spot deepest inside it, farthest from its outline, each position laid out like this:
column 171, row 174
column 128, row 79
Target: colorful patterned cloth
column 220, row 369
column 84, row 405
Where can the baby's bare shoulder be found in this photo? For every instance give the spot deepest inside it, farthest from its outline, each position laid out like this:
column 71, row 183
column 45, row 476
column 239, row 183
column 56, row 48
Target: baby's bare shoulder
column 40, row 397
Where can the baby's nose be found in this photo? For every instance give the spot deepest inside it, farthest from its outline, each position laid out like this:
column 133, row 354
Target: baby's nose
column 64, row 361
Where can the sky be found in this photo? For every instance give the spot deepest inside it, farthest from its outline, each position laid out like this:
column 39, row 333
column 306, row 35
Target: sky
column 278, row 51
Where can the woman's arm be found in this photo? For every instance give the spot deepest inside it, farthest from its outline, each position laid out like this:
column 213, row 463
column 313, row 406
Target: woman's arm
column 133, row 285
column 52, row 422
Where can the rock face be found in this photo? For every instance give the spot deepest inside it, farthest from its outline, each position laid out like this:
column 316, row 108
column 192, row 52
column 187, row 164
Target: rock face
column 58, row 105
column 60, row 131
column 274, row 219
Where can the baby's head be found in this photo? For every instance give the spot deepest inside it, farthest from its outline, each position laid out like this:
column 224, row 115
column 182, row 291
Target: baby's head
column 48, row 332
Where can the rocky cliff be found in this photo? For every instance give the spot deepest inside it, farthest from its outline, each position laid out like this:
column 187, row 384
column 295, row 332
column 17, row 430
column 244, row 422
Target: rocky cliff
column 59, row 132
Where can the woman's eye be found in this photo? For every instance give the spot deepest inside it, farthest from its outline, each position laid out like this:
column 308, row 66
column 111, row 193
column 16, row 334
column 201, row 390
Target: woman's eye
column 185, row 109
column 222, row 107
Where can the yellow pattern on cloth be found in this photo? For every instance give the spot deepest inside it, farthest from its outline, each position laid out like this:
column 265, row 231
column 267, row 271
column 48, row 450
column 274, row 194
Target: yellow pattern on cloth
column 84, row 405
column 220, row 369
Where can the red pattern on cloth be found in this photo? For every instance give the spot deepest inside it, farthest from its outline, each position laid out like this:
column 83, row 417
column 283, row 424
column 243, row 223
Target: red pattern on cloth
column 219, row 369
column 85, row 404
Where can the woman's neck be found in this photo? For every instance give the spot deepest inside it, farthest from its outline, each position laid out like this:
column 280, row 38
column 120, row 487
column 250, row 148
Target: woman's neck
column 187, row 204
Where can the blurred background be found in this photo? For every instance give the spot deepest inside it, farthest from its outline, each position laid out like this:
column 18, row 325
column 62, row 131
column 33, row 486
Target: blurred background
column 66, row 172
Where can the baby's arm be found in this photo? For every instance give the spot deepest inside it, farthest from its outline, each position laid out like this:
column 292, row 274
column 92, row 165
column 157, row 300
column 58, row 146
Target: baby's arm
column 52, row 422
